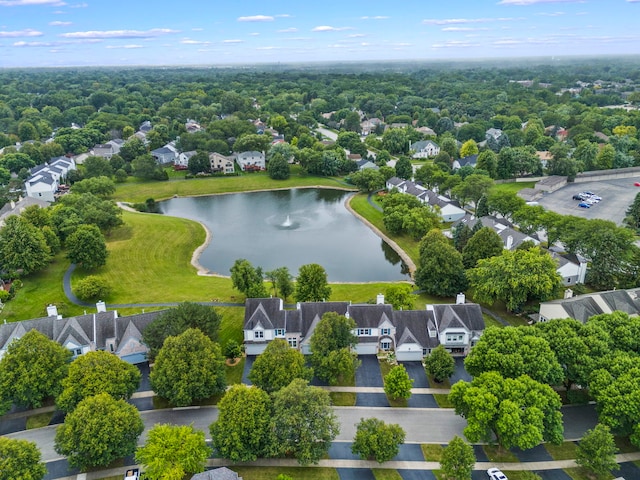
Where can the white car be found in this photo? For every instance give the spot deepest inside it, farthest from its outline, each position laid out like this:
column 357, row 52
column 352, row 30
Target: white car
column 132, row 474
column 496, row 474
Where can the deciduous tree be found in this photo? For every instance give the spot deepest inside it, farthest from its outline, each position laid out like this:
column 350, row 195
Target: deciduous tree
column 305, row 424
column 178, row 319
column 32, row 370
column 20, row 459
column 97, row 167
column 189, row 367
column 597, row 451
column 312, row 284
column 397, row 383
column 247, row 279
column 331, row 345
column 100, row 186
column 400, row 296
column 515, row 277
column 458, row 460
column 86, row 247
column 440, row 271
column 439, row 364
column 100, row 430
column 281, row 280
column 277, row 366
column 485, row 243
column 516, row 412
column 243, row 430
column 376, row 440
column 23, row 247
column 172, row 452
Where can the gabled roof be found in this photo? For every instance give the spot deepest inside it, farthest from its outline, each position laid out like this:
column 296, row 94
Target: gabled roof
column 421, row 145
column 312, row 312
column 581, row 308
column 395, row 181
column 222, row 473
column 467, row 315
column 261, row 311
column 370, row 316
column 411, row 326
column 620, row 300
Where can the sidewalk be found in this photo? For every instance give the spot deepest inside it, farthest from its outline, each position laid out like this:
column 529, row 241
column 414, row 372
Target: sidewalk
column 394, row 465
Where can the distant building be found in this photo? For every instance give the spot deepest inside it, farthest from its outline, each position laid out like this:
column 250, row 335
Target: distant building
column 424, row 149
column 44, row 181
column 251, row 161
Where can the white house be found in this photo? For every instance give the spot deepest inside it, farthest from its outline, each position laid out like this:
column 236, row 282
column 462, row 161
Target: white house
column 412, row 334
column 583, row 307
column 183, row 158
column 251, row 160
column 449, row 210
column 424, row 149
column 165, row 155
column 45, row 179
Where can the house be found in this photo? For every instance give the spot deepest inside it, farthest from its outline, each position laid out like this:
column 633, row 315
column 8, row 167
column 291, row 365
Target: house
column 251, row 161
column 191, row 126
column 450, row 211
column 44, row 181
column 369, row 126
column 424, row 149
column 511, row 238
column 572, row 268
column 222, row 473
column 183, row 159
column 426, row 131
column 221, row 163
column 469, row 160
column 583, row 307
column 145, row 127
column 16, row 208
column 412, row 334
column 363, row 164
column 494, row 133
column 165, row 155
column 104, row 330
column 109, row 149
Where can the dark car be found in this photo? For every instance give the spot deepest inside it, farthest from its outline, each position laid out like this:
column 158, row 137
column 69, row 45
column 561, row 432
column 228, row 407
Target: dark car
column 578, row 197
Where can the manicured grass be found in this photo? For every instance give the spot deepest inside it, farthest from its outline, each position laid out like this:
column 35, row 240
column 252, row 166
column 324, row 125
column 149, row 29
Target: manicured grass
column 234, row 374
column 432, row 452
column 489, row 321
column 514, row 187
column 343, row 399
column 498, row 454
column 160, row 403
column 39, row 291
column 135, row 190
column 386, row 474
column 231, row 324
column 442, row 400
column 360, row 204
column 580, row 473
column 297, row 473
column 445, row 384
column 40, row 420
column 565, row 451
column 523, row 475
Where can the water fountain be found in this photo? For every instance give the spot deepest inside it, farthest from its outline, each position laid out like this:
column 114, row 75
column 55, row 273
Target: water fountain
column 287, row 223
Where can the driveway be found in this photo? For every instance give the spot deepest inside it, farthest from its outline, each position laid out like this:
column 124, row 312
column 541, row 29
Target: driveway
column 417, row 475
column 553, row 475
column 145, row 384
column 421, row 400
column 371, row 400
column 416, row 371
column 247, row 368
column 342, row 451
column 355, row 474
column 536, row 454
column 460, row 373
column 368, row 374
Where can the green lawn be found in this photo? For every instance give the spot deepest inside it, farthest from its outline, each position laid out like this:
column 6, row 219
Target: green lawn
column 442, row 400
column 297, row 473
column 234, row 373
column 496, row 453
column 385, row 474
column 513, row 187
column 135, row 190
column 432, row 452
column 565, row 451
column 40, row 420
column 580, row 473
column 343, row 399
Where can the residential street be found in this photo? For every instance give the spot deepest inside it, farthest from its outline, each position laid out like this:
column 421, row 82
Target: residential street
column 421, row 425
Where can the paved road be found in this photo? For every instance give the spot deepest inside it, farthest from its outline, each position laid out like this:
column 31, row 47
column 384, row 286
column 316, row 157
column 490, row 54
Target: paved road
column 421, row 425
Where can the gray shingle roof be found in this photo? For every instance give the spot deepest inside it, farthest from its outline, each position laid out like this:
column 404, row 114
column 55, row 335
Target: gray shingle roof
column 222, row 473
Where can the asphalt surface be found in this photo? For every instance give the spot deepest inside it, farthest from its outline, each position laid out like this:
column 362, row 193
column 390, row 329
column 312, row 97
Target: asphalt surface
column 416, row 371
column 248, row 363
column 617, row 194
column 460, row 373
column 536, row 454
column 371, row 400
column 417, row 475
column 355, row 474
column 422, row 401
column 368, row 374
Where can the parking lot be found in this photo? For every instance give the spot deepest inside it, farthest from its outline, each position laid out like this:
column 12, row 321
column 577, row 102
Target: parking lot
column 617, row 194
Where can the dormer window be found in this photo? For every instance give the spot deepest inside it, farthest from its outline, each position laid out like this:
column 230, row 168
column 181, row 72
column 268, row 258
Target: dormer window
column 432, row 333
column 258, row 334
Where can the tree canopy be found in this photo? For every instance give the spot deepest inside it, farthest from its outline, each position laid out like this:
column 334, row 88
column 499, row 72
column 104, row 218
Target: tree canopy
column 277, row 366
column 312, row 284
column 377, row 440
column 20, row 459
column 331, row 348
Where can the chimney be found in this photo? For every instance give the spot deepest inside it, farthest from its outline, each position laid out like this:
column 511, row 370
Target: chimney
column 52, row 311
column 568, row 293
column 13, row 204
column 101, row 306
column 509, row 242
column 460, row 299
column 380, row 299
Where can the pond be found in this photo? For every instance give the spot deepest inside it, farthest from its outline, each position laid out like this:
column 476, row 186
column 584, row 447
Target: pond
column 289, row 228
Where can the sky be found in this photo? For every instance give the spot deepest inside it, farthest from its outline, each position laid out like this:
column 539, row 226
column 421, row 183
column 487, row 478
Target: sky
column 55, row 33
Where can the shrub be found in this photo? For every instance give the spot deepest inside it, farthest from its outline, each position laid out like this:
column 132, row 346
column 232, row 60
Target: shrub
column 92, row 288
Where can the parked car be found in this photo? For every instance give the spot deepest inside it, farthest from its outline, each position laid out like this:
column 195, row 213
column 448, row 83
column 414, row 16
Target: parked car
column 636, row 184
column 132, row 474
column 584, row 205
column 578, row 197
column 496, row 474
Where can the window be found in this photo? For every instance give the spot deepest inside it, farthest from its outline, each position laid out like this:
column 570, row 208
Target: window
column 279, row 332
column 385, row 331
column 364, row 332
column 425, row 351
column 455, row 337
column 258, row 334
column 76, row 351
column 386, row 345
column 293, row 342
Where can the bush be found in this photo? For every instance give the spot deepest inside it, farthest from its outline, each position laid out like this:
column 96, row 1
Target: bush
column 92, row 288
column 232, row 350
column 4, row 296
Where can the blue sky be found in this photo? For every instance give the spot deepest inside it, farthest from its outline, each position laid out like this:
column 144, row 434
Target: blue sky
column 38, row 33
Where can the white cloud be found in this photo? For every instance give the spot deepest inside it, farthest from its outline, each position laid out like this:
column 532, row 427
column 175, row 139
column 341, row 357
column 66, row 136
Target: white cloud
column 27, row 32
column 233, row 40
column 283, row 15
column 552, row 14
column 154, row 32
column 189, row 41
column 377, row 17
column 288, row 30
column 356, row 35
column 79, row 5
column 535, row 2
column 256, row 18
column 456, row 21
column 16, row 3
column 328, row 28
column 268, row 48
column 254, row 34
column 59, row 24
column 33, row 44
column 455, row 44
